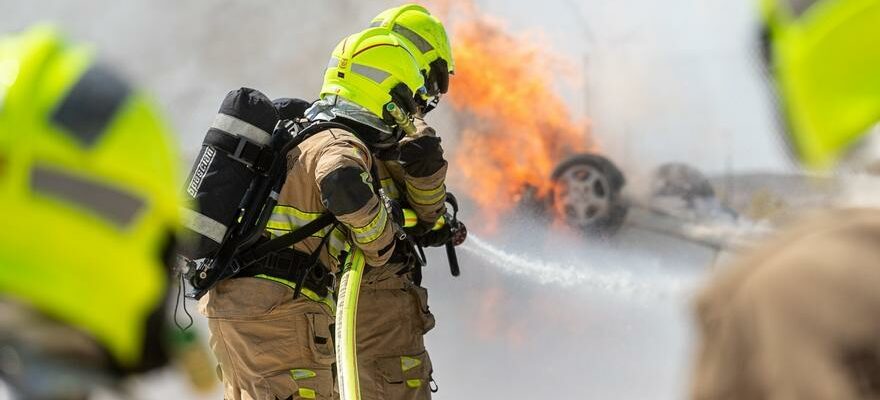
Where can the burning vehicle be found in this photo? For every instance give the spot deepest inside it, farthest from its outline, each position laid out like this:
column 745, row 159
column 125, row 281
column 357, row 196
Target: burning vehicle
column 521, row 149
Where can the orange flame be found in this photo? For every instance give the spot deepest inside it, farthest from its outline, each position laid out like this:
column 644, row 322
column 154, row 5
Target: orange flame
column 514, row 126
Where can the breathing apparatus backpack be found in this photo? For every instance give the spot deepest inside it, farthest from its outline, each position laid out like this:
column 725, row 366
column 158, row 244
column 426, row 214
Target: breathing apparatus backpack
column 233, row 187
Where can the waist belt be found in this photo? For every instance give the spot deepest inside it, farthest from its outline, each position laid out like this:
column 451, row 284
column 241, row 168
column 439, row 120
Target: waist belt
column 289, row 265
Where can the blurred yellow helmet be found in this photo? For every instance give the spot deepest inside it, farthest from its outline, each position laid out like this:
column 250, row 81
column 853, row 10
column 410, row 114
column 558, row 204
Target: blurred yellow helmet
column 89, row 190
column 425, row 36
column 825, row 57
column 372, row 68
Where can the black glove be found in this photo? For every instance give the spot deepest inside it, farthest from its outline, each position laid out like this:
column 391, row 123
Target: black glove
column 420, row 229
column 426, row 237
column 402, row 254
column 421, row 157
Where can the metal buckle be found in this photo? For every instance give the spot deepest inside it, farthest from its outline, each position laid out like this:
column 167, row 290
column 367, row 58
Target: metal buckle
column 239, row 149
column 271, row 261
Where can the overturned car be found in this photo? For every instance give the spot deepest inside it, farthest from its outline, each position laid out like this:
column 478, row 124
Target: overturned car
column 730, row 211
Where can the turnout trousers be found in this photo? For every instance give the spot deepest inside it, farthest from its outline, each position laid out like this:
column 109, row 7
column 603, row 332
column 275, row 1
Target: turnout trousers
column 392, row 320
column 268, row 345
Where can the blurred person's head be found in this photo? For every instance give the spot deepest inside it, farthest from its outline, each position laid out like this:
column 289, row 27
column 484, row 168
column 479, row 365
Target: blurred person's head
column 371, row 73
column 796, row 316
column 89, row 191
column 825, row 58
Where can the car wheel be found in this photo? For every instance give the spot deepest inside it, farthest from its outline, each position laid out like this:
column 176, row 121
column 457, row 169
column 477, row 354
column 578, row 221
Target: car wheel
column 586, row 194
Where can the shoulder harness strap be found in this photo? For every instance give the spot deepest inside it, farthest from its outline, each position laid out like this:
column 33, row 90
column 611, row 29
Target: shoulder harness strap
column 289, row 239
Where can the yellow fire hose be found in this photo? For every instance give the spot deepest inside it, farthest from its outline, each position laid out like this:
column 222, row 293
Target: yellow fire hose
column 346, row 316
column 346, row 320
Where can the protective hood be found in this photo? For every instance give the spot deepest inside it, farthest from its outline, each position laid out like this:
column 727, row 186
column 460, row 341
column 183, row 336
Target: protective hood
column 332, row 107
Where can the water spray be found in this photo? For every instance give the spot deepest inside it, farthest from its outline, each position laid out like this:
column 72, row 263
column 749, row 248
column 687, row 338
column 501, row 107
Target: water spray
column 548, row 272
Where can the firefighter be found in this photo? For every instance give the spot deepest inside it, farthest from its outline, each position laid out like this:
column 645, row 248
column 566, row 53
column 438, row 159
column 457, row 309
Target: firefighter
column 393, row 314
column 89, row 190
column 799, row 318
column 268, row 343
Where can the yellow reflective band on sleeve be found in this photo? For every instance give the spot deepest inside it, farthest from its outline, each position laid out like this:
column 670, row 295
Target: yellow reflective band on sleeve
column 426, row 197
column 327, row 301
column 414, row 383
column 373, row 230
column 307, row 393
column 287, row 219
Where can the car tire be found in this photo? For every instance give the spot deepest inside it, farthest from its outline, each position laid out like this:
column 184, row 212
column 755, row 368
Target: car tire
column 587, row 194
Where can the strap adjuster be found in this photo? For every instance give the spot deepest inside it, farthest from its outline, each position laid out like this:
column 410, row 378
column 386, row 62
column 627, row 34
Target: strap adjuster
column 246, row 151
column 271, row 260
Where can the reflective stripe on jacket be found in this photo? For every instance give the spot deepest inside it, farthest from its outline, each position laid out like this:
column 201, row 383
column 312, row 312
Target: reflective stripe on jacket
column 364, row 222
column 426, row 195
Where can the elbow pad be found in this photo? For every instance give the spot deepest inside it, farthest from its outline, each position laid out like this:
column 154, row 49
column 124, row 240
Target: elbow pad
column 346, row 190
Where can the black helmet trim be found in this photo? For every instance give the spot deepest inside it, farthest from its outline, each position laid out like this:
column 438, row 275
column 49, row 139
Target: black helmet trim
column 405, row 98
column 438, row 79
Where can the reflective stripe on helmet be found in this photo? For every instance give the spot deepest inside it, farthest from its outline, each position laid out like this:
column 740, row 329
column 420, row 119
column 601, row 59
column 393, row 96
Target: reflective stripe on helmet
column 413, row 37
column 374, row 74
column 798, row 7
column 333, row 63
column 375, row 48
column 110, row 203
column 91, row 104
column 424, row 27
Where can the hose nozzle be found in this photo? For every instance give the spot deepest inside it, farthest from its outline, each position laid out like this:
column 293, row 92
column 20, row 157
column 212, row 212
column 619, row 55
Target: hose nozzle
column 401, row 119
